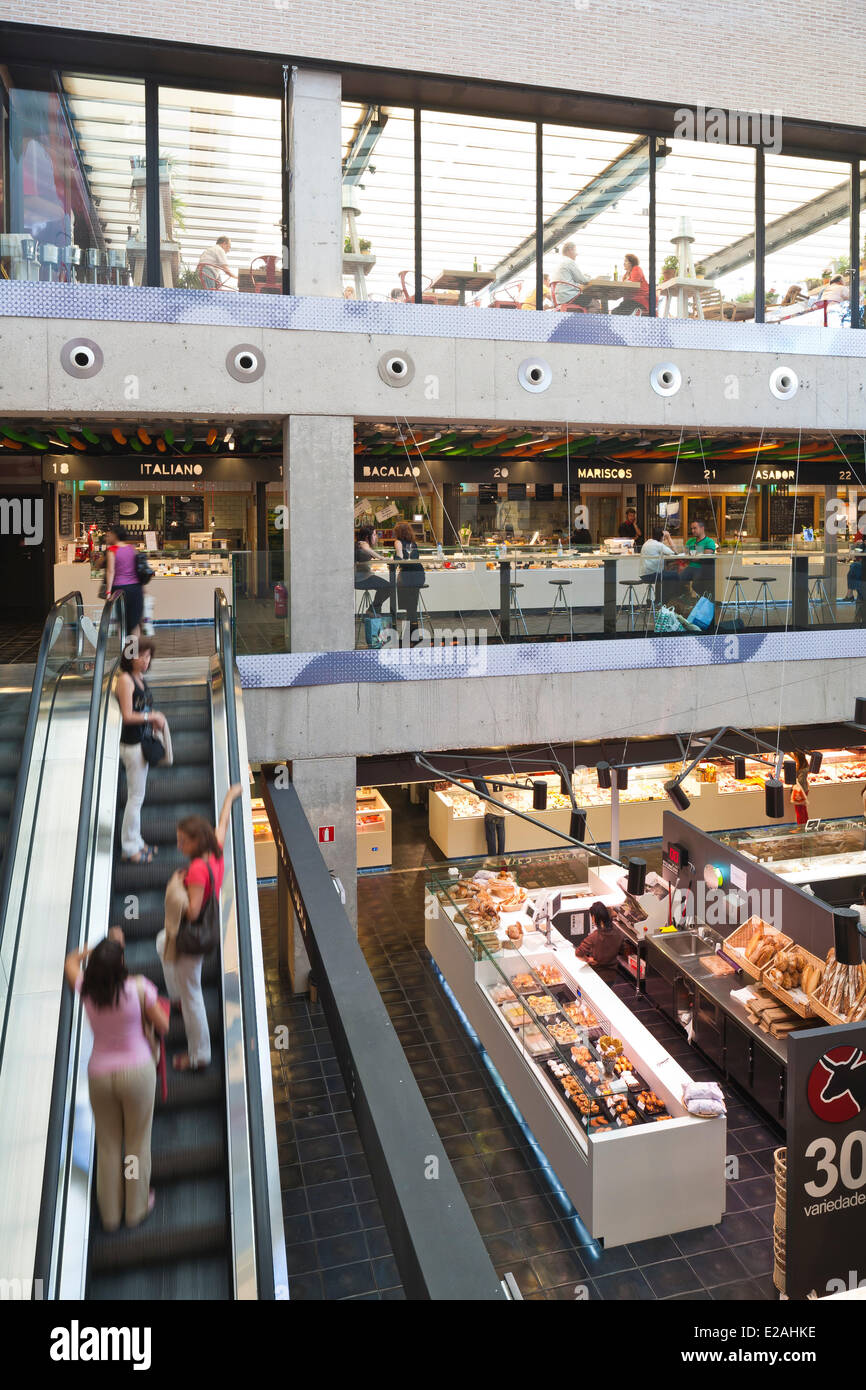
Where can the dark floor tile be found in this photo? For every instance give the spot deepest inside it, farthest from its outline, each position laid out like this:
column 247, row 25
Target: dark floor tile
column 694, row 1296
column 297, row 1229
column 468, row 1169
column 757, row 1192
column 759, row 1137
column 301, row 1259
column 584, row 1291
column 307, row 1090
column 558, row 1268
column 491, row 1220
column 357, row 1164
column 653, row 1251
column 290, row 1177
column 349, row 1280
column 481, row 1194
column 599, row 1261
column 490, row 1141
column 756, row 1256
column 740, row 1226
column 743, row 1291
column 393, row 1294
column 766, row 1216
column 304, row 1288
column 370, row 1214
column 716, row 1267
column 330, row 1194
column 674, row 1276
column 448, row 1125
column 344, row 1249
column 335, row 1222
column 459, row 1146
column 745, row 1165
column 528, row 1211
column 386, row 1273
column 702, row 1238
column 766, row 1159
column 513, row 1185
column 363, row 1189
column 733, row 1200
column 524, row 1276
column 328, row 1146
column 543, row 1239
column 378, row 1242
column 629, row 1284
column 351, row 1142
column 294, row 1201
column 506, row 1161
column 504, row 1247
column 323, row 1170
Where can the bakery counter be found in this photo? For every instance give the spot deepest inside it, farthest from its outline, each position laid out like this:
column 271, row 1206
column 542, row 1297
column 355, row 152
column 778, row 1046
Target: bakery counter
column 176, row 598
column 629, row 1176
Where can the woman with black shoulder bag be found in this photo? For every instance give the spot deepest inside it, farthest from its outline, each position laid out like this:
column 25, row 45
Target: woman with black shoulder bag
column 191, row 928
column 137, row 742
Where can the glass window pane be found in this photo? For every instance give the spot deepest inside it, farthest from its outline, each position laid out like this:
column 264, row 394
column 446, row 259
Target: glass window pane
column 477, row 209
column 75, row 179
column 808, row 232
column 705, row 230
column 378, row 201
column 596, row 199
column 220, row 186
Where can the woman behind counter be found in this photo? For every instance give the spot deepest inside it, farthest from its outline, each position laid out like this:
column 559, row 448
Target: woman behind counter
column 602, row 945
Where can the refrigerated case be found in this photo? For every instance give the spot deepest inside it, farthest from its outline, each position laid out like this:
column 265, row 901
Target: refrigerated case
column 373, row 829
column 602, row 1097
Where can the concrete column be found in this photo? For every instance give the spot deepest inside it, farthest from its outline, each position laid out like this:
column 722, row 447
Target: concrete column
column 315, row 190
column 318, row 493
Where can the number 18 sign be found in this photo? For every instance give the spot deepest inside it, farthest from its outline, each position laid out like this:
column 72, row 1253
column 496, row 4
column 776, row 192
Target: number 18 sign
column 825, row 1238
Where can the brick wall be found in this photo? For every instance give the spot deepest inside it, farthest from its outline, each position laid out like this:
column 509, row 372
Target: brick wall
column 800, row 57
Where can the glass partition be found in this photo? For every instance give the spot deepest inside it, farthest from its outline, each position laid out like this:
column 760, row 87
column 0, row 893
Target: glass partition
column 378, row 226
column 807, row 262
column 477, row 209
column 74, row 205
column 220, row 191
column 596, row 212
column 705, row 230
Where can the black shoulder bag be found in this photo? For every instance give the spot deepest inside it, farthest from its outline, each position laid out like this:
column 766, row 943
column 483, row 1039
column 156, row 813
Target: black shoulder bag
column 201, row 937
column 143, row 571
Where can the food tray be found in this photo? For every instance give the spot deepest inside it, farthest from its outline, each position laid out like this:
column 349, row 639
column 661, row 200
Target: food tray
column 650, row 1114
column 803, row 1010
column 821, row 1011
column 741, row 938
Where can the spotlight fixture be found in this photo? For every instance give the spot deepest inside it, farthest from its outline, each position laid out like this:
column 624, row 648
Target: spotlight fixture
column 564, row 786
column 774, row 798
column 846, row 932
column 860, row 710
column 677, row 795
column 789, row 772
column 539, row 796
column 622, row 778
column 577, row 825
column 815, row 762
column 603, row 770
column 740, row 769
column 636, row 877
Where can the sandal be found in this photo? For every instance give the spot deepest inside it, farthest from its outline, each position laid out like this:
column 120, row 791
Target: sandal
column 144, row 856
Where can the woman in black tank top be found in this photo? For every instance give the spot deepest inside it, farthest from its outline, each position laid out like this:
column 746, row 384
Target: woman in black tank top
column 136, row 708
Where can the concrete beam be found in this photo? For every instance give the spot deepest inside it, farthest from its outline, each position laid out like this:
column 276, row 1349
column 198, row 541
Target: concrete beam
column 318, row 486
column 315, row 205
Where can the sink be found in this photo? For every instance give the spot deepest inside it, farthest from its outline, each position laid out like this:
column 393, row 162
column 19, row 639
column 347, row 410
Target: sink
column 688, row 943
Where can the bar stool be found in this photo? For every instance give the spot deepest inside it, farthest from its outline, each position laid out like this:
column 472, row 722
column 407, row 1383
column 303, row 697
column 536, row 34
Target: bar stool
column 763, row 598
column 818, row 599
column 560, row 602
column 633, row 601
column 738, row 599
column 515, row 611
column 363, row 605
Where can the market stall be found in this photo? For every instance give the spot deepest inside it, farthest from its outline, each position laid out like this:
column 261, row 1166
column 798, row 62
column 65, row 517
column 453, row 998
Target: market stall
column 602, row 1097
column 182, row 588
column 373, row 829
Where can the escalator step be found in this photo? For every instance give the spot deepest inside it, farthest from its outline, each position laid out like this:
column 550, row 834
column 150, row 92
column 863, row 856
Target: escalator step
column 206, row 1278
column 159, row 823
column 141, row 959
column 152, row 877
column 10, row 757
column 7, row 792
column 170, row 784
column 187, row 1142
column 189, row 1219
column 186, row 718
column 193, row 1090
column 150, row 906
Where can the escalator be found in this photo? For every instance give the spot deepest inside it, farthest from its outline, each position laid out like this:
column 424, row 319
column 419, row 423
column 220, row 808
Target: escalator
column 216, row 1229
column 14, row 704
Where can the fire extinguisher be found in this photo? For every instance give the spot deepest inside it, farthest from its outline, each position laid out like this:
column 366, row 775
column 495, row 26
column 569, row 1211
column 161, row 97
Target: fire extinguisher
column 281, row 601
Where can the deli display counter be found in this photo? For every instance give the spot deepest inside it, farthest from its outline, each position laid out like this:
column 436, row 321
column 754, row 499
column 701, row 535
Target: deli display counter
column 601, row 1095
column 182, row 587
column 373, row 829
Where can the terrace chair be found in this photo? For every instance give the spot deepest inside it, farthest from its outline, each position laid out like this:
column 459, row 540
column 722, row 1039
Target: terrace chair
column 407, row 280
column 508, row 296
column 264, row 277
column 568, row 305
column 208, row 277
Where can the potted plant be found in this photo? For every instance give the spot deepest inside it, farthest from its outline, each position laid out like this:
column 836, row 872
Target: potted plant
column 771, row 297
column 745, row 298
column 670, row 266
column 363, row 246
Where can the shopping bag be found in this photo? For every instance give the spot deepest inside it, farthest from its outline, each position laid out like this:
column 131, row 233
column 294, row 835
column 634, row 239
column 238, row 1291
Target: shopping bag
column 703, row 613
column 667, row 620
column 373, row 627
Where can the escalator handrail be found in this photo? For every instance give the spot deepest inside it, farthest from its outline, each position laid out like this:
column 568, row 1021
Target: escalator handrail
column 58, row 1116
column 255, row 1099
column 16, row 810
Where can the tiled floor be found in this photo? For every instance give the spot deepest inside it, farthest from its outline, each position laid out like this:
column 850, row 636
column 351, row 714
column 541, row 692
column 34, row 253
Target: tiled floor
column 529, row 1229
column 19, row 642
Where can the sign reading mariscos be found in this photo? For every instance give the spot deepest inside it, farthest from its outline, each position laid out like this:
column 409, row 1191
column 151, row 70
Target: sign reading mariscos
column 825, row 1240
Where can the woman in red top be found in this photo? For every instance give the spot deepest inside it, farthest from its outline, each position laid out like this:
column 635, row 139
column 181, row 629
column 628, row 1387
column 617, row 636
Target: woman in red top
column 203, row 846
column 633, row 272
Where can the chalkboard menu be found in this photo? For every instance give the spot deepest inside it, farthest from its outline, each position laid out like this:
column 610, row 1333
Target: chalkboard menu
column 104, row 510
column 544, row 492
column 790, row 514
column 517, row 492
column 65, row 513
column 487, row 492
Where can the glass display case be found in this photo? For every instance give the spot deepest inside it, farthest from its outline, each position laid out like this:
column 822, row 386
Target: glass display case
column 580, row 1067
column 372, row 828
column 834, row 851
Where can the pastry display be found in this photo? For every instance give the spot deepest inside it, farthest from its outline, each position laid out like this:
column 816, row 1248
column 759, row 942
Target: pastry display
column 581, row 1014
column 524, row 984
column 550, row 975
column 599, row 1122
column 542, row 1004
column 534, row 1041
column 787, row 968
column 842, row 989
column 516, row 1014
column 609, row 1047
column 501, row 994
column 582, row 1056
column 651, row 1103
column 563, row 1032
column 623, row 1065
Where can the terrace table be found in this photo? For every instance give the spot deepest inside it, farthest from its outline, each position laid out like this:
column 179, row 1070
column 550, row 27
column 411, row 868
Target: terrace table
column 605, row 289
column 463, row 280
column 677, row 293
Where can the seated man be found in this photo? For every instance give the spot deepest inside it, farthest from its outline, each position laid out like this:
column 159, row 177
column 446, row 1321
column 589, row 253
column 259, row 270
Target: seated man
column 215, row 259
column 568, row 271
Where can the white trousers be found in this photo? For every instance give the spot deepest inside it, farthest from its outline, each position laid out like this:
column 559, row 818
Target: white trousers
column 183, row 982
column 136, row 781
